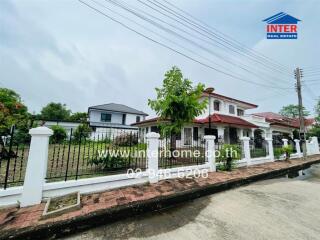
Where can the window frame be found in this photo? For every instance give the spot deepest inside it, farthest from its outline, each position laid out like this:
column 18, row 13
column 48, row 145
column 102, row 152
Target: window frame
column 105, row 119
column 214, row 105
column 138, row 119
column 234, row 109
column 239, row 109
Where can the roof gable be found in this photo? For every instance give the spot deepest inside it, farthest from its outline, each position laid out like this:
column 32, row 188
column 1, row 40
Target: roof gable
column 115, row 107
column 281, row 18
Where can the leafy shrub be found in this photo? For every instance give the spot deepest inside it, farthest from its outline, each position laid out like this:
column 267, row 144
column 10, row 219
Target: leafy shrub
column 82, row 131
column 287, row 150
column 277, row 152
column 228, row 154
column 109, row 162
column 59, row 134
column 126, row 139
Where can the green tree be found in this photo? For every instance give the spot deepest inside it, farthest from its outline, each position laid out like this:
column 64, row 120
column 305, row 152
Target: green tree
column 81, row 132
column 12, row 110
column 292, row 111
column 317, row 111
column 59, row 134
column 79, row 117
column 177, row 101
column 55, row 112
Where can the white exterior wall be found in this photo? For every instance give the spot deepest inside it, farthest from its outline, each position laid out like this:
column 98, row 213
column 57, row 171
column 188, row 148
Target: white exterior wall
column 224, row 107
column 116, row 117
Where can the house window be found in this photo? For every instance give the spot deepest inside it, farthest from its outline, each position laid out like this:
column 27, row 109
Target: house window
column 240, row 112
column 216, row 105
column 195, row 133
column 231, row 109
column 105, row 117
column 124, row 116
column 137, row 119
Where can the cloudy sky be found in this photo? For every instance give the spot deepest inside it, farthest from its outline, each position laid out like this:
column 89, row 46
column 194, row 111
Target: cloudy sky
column 63, row 51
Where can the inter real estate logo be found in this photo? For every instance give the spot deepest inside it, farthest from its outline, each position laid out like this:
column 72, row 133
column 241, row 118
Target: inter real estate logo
column 282, row 26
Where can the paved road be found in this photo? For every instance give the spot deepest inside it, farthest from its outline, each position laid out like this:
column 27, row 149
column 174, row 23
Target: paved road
column 273, row 209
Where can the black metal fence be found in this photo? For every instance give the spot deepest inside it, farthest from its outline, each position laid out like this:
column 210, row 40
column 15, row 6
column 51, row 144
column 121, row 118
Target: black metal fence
column 14, row 150
column 99, row 153
column 174, row 152
column 258, row 149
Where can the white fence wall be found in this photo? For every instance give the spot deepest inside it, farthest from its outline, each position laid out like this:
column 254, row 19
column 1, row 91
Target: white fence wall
column 18, row 195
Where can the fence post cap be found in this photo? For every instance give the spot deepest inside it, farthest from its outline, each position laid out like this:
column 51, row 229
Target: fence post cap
column 43, row 131
column 284, row 140
column 209, row 137
column 153, row 135
column 296, row 140
column 268, row 139
column 245, row 138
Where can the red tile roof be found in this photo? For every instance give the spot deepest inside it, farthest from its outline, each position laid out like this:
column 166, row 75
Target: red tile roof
column 220, row 118
column 215, row 118
column 277, row 119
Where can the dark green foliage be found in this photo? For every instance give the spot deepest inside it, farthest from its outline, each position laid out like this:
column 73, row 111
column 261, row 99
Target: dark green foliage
column 55, row 112
column 78, row 117
column 109, row 162
column 292, row 111
column 82, row 132
column 126, row 140
column 12, row 110
column 59, row 134
column 177, row 101
column 228, row 155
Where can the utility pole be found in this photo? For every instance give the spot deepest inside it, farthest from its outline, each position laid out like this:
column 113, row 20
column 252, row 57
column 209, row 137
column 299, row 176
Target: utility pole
column 298, row 76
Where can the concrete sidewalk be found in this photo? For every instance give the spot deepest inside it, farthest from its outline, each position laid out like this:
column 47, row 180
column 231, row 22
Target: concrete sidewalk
column 112, row 205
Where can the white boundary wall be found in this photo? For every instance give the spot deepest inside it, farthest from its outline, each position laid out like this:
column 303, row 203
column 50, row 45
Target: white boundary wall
column 14, row 195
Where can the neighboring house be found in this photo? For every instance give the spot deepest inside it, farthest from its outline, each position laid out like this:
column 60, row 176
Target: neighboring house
column 226, row 121
column 67, row 125
column 113, row 115
column 280, row 125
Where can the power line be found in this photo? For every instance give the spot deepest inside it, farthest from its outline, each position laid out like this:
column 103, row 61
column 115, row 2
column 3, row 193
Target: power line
column 208, row 27
column 207, row 34
column 132, row 11
column 174, row 50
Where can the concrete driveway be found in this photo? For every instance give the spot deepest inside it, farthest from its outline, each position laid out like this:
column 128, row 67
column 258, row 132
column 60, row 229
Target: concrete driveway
column 273, row 209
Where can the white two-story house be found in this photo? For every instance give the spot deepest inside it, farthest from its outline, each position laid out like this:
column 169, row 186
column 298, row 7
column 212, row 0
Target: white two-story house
column 223, row 118
column 115, row 116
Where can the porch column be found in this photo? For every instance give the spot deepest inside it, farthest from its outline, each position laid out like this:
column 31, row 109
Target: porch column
column 221, row 133
column 285, row 142
column 297, row 143
column 240, row 132
column 252, row 133
column 246, row 149
column 270, row 149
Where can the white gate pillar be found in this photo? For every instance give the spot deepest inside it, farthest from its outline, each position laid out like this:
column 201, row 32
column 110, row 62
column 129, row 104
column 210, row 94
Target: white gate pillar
column 316, row 145
column 246, row 149
column 297, row 143
column 210, row 152
column 36, row 166
column 153, row 156
column 270, row 149
column 285, row 142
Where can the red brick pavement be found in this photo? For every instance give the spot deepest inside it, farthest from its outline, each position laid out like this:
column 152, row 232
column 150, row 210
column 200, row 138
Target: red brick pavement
column 13, row 220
